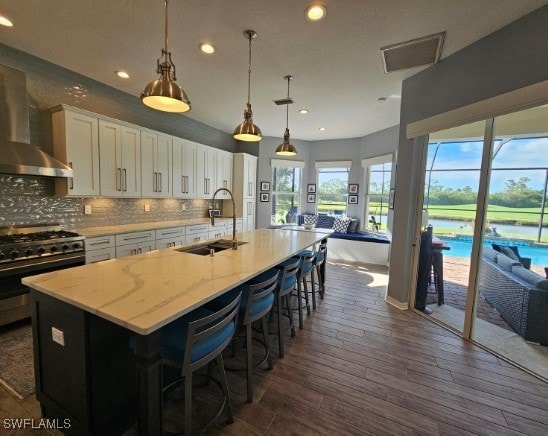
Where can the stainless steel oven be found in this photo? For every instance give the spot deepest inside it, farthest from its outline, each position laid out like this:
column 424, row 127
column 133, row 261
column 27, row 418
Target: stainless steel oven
column 29, row 250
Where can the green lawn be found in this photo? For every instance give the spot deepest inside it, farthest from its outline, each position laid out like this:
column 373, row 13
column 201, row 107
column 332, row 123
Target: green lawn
column 495, row 214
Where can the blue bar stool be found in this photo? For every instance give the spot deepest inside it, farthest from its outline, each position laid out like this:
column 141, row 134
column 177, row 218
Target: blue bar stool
column 319, row 259
column 256, row 304
column 306, row 269
column 195, row 340
column 287, row 280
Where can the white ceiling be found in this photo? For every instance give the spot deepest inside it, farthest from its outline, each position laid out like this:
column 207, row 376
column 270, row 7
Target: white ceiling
column 336, row 62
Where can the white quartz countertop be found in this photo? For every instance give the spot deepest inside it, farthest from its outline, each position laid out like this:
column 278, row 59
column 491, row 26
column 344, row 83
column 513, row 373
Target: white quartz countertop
column 91, row 232
column 147, row 291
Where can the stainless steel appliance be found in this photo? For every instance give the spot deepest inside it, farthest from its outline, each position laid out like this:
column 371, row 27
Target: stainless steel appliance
column 29, row 250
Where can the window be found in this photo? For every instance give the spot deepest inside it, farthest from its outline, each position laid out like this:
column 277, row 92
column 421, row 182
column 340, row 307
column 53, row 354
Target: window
column 378, row 171
column 333, row 187
column 286, row 190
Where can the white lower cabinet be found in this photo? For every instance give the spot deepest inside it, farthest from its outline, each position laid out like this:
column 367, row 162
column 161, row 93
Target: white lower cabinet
column 100, row 248
column 170, row 237
column 128, row 244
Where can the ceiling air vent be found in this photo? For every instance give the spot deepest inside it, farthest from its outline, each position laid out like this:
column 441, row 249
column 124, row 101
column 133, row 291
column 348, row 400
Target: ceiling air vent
column 414, row 53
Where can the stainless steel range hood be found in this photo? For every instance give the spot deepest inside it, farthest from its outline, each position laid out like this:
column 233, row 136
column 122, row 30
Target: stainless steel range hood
column 17, row 155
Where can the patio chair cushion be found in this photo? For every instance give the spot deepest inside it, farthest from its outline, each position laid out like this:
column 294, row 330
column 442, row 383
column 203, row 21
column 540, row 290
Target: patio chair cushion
column 506, row 263
column 509, row 252
column 490, row 254
column 530, row 277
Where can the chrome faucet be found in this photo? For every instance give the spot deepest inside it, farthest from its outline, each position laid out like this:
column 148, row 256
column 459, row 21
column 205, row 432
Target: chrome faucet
column 234, row 240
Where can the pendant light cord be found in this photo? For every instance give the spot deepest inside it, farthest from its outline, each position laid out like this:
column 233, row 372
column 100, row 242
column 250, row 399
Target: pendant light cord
column 249, row 72
column 165, row 34
column 287, row 105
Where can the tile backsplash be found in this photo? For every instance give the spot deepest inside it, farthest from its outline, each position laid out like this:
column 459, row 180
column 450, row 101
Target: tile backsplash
column 31, row 200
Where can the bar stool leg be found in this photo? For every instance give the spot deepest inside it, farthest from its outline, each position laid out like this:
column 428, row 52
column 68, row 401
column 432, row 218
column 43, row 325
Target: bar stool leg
column 300, row 303
column 290, row 314
column 224, row 387
column 313, row 289
column 306, row 296
column 249, row 355
column 267, row 342
column 188, row 403
column 280, row 328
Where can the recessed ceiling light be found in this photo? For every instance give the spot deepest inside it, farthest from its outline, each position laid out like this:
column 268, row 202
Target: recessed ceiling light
column 206, row 48
column 316, row 12
column 322, row 129
column 303, row 111
column 5, row 22
column 122, row 74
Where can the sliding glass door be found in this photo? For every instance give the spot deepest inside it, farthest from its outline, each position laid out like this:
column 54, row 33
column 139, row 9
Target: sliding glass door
column 484, row 253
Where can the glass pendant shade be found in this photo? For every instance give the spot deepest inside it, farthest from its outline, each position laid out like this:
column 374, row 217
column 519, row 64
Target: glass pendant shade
column 247, row 131
column 286, row 149
column 164, row 94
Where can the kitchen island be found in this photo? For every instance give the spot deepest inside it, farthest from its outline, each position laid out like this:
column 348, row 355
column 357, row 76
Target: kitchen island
column 83, row 318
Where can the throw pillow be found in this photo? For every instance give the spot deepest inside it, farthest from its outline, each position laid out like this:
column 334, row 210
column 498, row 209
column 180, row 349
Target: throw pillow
column 509, row 252
column 325, row 222
column 309, row 219
column 341, row 225
column 354, row 225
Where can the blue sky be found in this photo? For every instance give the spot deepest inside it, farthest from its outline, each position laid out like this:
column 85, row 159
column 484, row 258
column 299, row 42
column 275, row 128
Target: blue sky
column 523, row 153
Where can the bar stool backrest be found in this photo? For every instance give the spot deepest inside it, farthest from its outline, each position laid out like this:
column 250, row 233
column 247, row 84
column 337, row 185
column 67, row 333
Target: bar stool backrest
column 203, row 328
column 306, row 264
column 257, row 292
column 290, row 270
column 321, row 253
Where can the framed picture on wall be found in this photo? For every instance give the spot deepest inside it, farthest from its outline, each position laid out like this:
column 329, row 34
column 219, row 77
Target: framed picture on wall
column 391, row 199
column 311, row 198
column 352, row 199
column 353, row 188
column 311, row 188
column 265, row 186
column 265, row 197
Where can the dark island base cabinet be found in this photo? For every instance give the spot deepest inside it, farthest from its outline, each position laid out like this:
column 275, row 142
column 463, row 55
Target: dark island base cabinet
column 91, row 380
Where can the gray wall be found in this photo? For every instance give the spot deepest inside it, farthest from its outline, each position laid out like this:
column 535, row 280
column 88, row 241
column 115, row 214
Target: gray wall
column 511, row 58
column 31, row 200
column 354, row 149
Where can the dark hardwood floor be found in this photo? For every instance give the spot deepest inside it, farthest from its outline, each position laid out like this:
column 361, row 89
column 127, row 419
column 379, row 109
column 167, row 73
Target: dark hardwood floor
column 362, row 367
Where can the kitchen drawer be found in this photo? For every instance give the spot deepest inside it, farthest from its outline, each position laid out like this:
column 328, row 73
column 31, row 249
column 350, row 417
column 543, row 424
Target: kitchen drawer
column 99, row 242
column 219, row 225
column 93, row 256
column 192, row 238
column 135, row 237
column 170, row 242
column 217, row 233
column 197, row 228
column 239, row 226
column 171, row 232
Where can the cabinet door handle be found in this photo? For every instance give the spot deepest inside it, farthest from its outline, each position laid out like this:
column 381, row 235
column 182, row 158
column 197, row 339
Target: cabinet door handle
column 71, row 179
column 186, row 184
column 125, row 179
column 160, row 183
column 118, row 179
column 183, row 184
column 140, row 250
column 155, row 182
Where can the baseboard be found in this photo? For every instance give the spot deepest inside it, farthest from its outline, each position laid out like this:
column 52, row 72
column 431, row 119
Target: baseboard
column 402, row 305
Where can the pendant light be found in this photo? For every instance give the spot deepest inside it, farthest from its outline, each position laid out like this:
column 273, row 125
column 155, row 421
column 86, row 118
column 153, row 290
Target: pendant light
column 286, row 149
column 164, row 94
column 247, row 131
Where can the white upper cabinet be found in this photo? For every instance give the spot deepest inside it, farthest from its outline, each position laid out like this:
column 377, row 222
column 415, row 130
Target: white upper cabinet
column 76, row 143
column 245, row 175
column 156, row 154
column 120, row 159
column 224, row 172
column 206, row 159
column 184, row 168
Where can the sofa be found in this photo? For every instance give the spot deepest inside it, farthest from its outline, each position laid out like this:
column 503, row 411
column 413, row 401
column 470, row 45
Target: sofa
column 519, row 295
column 348, row 242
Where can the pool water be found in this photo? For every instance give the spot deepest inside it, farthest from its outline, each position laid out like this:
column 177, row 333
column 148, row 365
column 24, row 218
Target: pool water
column 463, row 248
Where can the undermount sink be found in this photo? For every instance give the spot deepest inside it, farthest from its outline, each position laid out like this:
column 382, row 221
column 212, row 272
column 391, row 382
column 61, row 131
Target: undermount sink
column 205, row 249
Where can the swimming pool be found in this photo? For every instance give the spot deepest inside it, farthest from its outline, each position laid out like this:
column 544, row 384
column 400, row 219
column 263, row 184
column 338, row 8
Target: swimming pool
column 463, row 248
